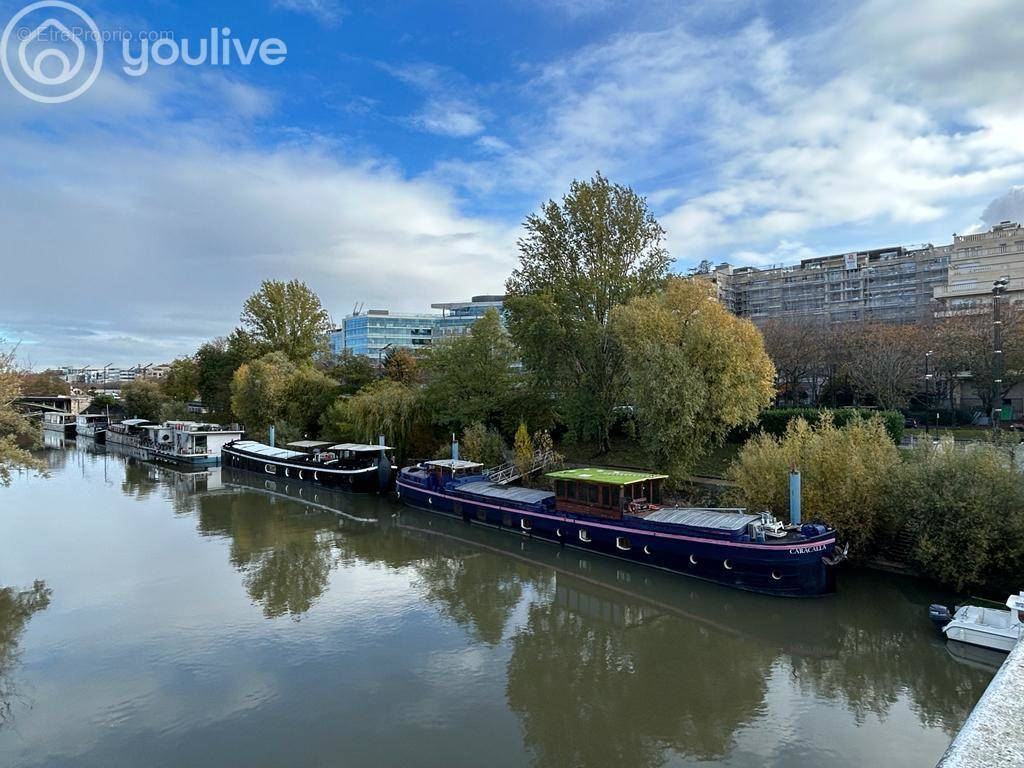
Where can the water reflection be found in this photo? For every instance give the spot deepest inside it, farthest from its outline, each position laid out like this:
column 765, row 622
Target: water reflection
column 422, row 623
column 16, row 608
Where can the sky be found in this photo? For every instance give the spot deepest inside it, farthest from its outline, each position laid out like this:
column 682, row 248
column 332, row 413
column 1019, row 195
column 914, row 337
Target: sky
column 389, row 157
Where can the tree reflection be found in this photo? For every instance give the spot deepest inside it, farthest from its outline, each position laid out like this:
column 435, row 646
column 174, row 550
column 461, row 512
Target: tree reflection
column 16, row 608
column 598, row 681
column 284, row 554
column 887, row 649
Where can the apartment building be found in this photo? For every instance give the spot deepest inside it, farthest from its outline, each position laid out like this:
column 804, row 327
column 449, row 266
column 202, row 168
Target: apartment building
column 976, row 262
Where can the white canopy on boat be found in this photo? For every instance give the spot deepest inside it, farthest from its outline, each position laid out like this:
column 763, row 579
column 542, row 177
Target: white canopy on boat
column 359, row 447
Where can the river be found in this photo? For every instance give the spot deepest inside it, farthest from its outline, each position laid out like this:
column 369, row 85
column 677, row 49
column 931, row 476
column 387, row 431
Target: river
column 156, row 618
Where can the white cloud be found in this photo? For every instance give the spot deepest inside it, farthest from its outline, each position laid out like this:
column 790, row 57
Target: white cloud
column 327, row 12
column 450, row 117
column 1008, row 207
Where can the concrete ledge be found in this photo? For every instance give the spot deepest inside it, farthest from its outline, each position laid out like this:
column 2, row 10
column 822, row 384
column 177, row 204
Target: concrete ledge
column 993, row 736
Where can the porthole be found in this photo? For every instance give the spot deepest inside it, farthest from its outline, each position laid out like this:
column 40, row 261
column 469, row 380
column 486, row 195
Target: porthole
column 430, row 502
column 269, row 469
column 776, row 576
column 302, row 476
column 622, row 543
column 287, row 472
column 584, row 537
column 526, row 525
column 316, row 475
column 647, row 550
column 727, row 564
column 558, row 532
column 693, row 560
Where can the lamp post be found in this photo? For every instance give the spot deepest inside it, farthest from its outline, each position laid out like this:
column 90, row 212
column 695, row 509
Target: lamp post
column 927, row 390
column 998, row 287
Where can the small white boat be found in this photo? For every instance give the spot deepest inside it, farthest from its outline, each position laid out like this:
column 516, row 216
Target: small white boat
column 985, row 627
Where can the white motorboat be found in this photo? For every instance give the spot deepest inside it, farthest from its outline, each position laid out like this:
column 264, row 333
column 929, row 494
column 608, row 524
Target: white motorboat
column 993, row 628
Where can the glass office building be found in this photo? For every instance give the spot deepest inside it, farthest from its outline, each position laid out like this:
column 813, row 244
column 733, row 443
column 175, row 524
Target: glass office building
column 373, row 332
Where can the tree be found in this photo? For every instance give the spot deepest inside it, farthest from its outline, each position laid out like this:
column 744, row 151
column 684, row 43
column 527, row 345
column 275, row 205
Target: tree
column 694, row 370
column 308, row 394
column 846, row 476
column 288, row 318
column 523, row 449
column 797, row 348
column 599, row 248
column 143, row 399
column 44, row 383
column 470, row 377
column 400, row 365
column 395, row 411
column 482, row 444
column 17, row 434
column 351, row 371
column 258, row 392
column 964, row 344
column 884, row 361
column 181, row 383
column 216, row 363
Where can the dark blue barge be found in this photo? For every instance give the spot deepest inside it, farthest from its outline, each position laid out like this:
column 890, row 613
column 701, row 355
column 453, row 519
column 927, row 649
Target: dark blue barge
column 620, row 514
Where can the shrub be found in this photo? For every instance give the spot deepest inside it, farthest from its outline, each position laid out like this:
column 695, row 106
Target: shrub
column 846, row 474
column 776, row 420
column 965, row 511
column 479, row 443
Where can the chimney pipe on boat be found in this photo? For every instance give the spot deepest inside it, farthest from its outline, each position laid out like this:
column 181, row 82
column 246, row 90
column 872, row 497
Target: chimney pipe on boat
column 272, row 436
column 455, row 449
column 794, row 497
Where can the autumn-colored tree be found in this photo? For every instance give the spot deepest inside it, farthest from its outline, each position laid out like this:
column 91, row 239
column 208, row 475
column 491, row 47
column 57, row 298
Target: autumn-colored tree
column 401, row 366
column 884, row 361
column 522, row 449
column 599, row 248
column 694, row 371
column 44, row 383
column 797, row 347
column 17, row 434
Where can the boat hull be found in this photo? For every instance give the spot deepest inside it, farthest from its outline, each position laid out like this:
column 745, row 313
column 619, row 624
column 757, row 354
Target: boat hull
column 995, row 639
column 368, row 480
column 182, row 460
column 67, row 430
column 784, row 570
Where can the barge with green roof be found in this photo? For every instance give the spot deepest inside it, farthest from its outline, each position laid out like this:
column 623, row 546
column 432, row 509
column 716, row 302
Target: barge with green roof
column 621, row 514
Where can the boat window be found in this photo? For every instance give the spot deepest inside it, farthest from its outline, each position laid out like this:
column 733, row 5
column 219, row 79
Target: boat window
column 269, row 469
column 481, row 514
column 527, row 525
column 560, row 489
column 615, row 497
column 506, row 519
column 592, row 492
column 570, row 490
column 656, row 491
column 622, row 543
column 584, row 536
column 606, row 498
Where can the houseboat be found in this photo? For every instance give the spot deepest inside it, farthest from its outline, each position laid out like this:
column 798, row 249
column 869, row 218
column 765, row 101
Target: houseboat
column 620, row 514
column 353, row 467
column 93, row 425
column 60, row 422
column 189, row 443
column 133, row 433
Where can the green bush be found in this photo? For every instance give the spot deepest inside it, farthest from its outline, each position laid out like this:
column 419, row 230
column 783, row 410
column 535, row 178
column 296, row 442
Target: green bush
column 965, row 511
column 776, row 420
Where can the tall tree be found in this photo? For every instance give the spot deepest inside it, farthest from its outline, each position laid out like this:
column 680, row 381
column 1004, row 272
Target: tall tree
column 395, row 411
column 17, row 434
column 964, row 345
column 885, row 361
column 351, row 371
column 182, row 380
column 695, row 371
column 143, row 399
column 470, row 377
column 599, row 248
column 796, row 347
column 286, row 317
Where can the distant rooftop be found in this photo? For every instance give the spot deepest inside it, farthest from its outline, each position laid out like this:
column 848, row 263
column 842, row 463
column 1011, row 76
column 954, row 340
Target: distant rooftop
column 608, row 476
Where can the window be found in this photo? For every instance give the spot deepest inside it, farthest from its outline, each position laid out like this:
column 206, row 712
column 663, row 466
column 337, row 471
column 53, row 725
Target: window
column 584, row 536
column 526, row 525
column 506, row 519
column 570, row 490
column 605, row 496
column 622, row 543
column 481, row 514
column 592, row 493
column 560, row 489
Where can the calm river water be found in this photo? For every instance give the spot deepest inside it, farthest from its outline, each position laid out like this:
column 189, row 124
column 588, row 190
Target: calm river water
column 152, row 618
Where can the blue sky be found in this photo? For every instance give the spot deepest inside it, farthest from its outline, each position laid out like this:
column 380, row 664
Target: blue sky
column 391, row 157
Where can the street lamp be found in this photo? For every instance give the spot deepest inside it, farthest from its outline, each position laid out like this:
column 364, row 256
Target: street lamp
column 998, row 287
column 927, row 391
